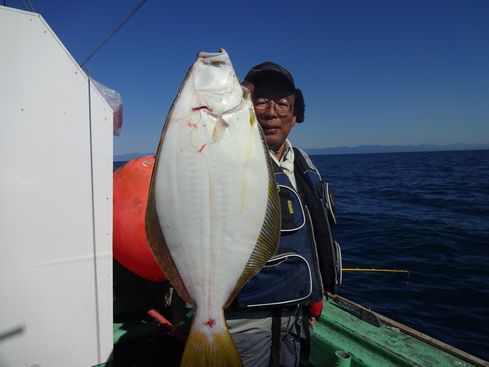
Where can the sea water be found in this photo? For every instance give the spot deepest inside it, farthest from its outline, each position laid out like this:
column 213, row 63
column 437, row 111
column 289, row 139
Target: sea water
column 427, row 213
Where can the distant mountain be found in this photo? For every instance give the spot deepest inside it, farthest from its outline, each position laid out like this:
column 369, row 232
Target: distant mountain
column 365, row 149
column 129, row 156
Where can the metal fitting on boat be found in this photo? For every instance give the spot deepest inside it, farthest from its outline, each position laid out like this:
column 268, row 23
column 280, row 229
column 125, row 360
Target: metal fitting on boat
column 343, row 359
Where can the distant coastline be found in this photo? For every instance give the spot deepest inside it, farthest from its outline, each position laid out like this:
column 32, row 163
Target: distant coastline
column 359, row 149
column 367, row 149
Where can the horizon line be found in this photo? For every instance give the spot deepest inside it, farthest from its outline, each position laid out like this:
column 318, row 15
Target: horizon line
column 380, row 149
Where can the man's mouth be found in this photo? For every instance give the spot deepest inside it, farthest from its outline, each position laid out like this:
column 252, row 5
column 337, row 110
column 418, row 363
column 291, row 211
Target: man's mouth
column 269, row 129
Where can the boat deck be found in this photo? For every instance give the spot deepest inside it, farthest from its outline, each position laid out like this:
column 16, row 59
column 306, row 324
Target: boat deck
column 346, row 335
column 373, row 340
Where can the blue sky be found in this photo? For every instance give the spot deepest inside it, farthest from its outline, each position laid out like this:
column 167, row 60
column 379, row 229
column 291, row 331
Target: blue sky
column 372, row 71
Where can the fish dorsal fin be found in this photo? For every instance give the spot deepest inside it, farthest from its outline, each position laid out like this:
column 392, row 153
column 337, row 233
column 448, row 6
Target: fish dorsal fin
column 269, row 236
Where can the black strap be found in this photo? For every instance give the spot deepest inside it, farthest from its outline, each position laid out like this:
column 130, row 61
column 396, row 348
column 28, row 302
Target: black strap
column 275, row 351
column 306, row 342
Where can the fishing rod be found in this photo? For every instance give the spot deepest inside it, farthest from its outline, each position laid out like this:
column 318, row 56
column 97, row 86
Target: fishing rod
column 376, row 270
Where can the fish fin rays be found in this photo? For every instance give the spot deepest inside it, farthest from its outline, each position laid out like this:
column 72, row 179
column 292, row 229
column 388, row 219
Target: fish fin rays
column 159, row 248
column 218, row 351
column 268, row 239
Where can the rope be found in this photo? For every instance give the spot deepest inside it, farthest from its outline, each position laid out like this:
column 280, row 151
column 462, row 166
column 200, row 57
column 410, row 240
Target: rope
column 31, row 6
column 116, row 29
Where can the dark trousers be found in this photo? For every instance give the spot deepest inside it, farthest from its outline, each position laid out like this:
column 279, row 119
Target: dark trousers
column 259, row 348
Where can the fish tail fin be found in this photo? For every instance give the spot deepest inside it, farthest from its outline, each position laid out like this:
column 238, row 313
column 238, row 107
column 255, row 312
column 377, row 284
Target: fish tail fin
column 205, row 349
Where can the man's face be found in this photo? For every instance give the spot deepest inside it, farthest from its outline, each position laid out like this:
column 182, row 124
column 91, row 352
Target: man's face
column 274, row 108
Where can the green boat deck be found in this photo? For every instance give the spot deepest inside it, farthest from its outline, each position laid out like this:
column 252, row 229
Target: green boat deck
column 346, row 335
column 373, row 340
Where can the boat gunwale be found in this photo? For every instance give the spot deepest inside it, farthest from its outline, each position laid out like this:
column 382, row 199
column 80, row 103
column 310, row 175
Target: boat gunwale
column 466, row 357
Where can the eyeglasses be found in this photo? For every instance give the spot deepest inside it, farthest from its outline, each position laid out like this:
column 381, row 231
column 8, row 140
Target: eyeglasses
column 282, row 106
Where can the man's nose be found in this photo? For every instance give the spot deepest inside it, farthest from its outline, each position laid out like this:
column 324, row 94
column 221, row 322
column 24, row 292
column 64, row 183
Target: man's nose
column 270, row 108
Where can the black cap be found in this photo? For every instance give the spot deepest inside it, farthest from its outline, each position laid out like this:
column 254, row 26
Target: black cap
column 270, row 69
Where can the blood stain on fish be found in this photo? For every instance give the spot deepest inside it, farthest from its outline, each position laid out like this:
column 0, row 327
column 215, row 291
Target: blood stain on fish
column 201, row 108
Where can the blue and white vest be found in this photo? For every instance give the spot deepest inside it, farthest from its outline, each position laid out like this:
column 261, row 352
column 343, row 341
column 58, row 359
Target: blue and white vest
column 305, row 263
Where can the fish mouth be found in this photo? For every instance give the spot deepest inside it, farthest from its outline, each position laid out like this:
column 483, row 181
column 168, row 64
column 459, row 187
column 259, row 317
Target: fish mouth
column 204, row 54
column 219, row 58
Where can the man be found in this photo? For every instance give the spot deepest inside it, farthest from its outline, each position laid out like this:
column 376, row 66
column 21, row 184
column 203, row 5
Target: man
column 270, row 319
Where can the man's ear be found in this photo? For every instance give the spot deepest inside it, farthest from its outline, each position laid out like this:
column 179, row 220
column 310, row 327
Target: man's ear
column 294, row 120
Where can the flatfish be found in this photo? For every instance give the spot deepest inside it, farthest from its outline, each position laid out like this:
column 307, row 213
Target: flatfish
column 213, row 215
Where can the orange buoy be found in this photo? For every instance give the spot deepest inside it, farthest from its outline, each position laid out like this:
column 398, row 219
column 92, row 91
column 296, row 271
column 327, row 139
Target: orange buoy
column 130, row 246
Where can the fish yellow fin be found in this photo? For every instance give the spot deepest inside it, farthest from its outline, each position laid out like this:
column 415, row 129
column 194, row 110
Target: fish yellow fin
column 216, row 350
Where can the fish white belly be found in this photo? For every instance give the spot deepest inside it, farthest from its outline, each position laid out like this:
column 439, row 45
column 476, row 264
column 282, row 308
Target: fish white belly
column 211, row 198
